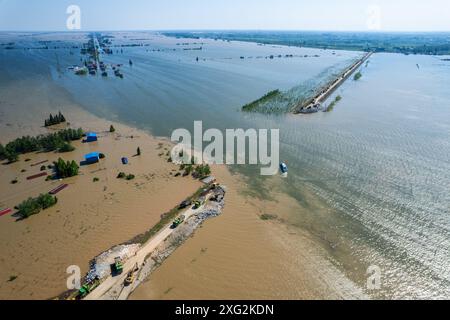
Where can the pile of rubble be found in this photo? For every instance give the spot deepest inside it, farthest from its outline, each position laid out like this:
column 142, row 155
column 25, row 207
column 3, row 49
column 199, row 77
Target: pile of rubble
column 100, row 266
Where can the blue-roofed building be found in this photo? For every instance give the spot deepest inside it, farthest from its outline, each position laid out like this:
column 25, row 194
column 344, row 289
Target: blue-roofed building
column 93, row 157
column 91, row 137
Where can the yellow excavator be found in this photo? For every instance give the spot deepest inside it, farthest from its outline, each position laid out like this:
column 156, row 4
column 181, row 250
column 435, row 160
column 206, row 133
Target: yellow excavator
column 131, row 276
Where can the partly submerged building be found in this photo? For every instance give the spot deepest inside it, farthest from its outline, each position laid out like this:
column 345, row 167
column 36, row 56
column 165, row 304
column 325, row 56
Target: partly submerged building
column 91, row 137
column 93, row 157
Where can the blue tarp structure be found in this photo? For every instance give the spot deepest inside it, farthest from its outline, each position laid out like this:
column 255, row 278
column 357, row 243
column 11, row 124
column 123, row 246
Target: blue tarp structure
column 91, row 137
column 124, row 160
column 92, row 157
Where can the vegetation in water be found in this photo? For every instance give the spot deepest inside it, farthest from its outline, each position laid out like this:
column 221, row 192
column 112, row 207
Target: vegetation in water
column 49, row 142
column 65, row 169
column 123, row 175
column 266, row 217
column 55, row 119
column 268, row 96
column 333, row 104
column 66, row 147
column 202, row 171
column 33, row 206
column 357, row 76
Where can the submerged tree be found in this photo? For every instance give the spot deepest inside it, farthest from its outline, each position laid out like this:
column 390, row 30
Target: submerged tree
column 33, row 206
column 55, row 119
column 2, row 152
column 65, row 169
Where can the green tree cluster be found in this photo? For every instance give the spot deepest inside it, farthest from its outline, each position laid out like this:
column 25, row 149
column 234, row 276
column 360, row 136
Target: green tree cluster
column 33, row 206
column 202, row 171
column 49, row 142
column 65, row 169
column 55, row 119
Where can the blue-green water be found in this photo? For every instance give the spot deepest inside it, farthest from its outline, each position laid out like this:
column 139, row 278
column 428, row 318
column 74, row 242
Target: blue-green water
column 378, row 163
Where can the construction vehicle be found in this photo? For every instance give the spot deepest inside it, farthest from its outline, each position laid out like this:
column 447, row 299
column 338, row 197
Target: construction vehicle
column 131, row 276
column 117, row 267
column 184, row 204
column 177, row 222
column 199, row 203
column 88, row 288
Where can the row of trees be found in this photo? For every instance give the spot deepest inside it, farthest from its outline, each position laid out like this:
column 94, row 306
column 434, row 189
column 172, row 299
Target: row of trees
column 34, row 205
column 65, row 169
column 198, row 172
column 55, row 119
column 51, row 142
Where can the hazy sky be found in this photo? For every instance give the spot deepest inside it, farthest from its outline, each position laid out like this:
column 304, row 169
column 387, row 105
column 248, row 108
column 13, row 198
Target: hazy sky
column 384, row 15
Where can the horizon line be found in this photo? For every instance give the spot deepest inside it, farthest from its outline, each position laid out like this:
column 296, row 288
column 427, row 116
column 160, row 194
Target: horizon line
column 227, row 30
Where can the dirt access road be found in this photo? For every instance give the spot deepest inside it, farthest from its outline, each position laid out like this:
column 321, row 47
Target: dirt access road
column 138, row 259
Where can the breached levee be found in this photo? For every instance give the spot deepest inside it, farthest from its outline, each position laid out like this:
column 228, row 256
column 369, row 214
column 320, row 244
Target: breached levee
column 142, row 255
column 165, row 249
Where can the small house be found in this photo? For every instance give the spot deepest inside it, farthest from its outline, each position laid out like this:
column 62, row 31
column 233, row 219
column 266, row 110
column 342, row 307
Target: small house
column 93, row 157
column 91, row 137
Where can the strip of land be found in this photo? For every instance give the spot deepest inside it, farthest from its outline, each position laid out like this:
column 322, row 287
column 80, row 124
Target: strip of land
column 138, row 260
column 314, row 104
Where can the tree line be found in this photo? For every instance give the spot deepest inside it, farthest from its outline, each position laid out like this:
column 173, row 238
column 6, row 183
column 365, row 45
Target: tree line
column 54, row 119
column 59, row 141
column 33, row 206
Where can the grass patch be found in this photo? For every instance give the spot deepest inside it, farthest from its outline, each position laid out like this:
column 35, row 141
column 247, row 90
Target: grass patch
column 268, row 217
column 268, row 96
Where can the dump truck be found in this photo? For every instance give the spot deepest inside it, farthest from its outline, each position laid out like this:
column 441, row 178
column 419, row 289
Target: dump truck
column 117, row 267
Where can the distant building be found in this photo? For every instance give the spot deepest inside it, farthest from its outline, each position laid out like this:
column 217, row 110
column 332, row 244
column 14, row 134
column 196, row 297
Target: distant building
column 93, row 157
column 91, row 137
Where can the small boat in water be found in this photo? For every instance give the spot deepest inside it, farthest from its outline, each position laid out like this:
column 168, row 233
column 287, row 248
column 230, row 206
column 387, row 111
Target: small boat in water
column 283, row 168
